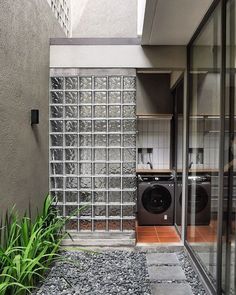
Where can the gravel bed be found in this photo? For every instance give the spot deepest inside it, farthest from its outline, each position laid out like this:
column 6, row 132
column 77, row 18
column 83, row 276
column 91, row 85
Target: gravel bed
column 107, row 273
column 191, row 275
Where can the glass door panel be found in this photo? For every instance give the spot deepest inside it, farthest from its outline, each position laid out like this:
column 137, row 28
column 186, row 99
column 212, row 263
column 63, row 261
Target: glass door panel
column 204, row 143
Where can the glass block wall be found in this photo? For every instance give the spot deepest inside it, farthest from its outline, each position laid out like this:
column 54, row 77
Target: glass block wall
column 93, row 149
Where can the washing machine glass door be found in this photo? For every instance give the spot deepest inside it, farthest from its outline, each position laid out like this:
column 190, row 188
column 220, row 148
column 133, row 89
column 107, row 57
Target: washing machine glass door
column 198, row 195
column 156, row 199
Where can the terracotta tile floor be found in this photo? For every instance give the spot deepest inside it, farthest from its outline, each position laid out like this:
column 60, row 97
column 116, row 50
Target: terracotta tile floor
column 156, row 234
column 202, row 233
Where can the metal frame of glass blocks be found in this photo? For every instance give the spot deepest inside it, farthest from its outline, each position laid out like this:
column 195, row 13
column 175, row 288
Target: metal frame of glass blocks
column 93, row 150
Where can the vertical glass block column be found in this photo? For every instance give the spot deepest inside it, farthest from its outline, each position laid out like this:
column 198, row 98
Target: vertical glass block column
column 93, row 151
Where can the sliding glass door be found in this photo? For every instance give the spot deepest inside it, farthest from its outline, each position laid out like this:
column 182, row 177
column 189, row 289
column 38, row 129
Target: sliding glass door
column 211, row 137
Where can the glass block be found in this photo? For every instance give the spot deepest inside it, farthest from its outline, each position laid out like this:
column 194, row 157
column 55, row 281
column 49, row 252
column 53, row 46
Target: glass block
column 71, row 168
column 71, row 139
column 85, row 225
column 99, row 225
column 100, row 154
column 85, row 140
column 129, row 197
column 100, row 125
column 71, row 126
column 129, row 97
column 85, row 182
column 114, row 168
column 56, row 97
column 71, row 97
column 85, row 154
column 85, row 197
column 129, row 111
column 59, row 210
column 71, row 225
column 100, row 111
column 71, row 196
column 114, row 225
column 56, row 126
column 71, row 82
column 71, row 154
column 85, row 168
column 128, row 225
column 129, row 125
column 114, row 197
column 56, row 140
column 100, row 82
column 57, row 82
column 58, row 195
column 114, row 97
column 56, row 111
column 129, row 140
column 85, row 211
column 56, row 182
column 56, row 154
column 114, row 140
column 100, row 97
column 85, row 82
column 100, row 182
column 85, row 111
column 114, row 155
column 114, row 82
column 71, row 210
column 129, row 155
column 100, row 139
column 114, row 125
column 128, row 211
column 100, row 210
column 129, row 82
column 71, row 112
column 85, row 97
column 114, row 111
column 56, row 168
column 71, row 182
column 129, row 168
column 114, row 210
column 114, row 182
column 100, row 197
column 85, row 126
column 99, row 168
column 129, row 182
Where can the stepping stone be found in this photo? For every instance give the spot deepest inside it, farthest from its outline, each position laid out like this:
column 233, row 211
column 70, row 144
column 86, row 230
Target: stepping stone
column 162, row 258
column 167, row 289
column 166, row 273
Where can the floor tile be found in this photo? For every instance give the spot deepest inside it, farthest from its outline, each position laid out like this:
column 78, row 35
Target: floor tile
column 165, row 229
column 168, row 289
column 145, row 229
column 169, row 239
column 167, row 234
column 147, row 234
column 168, row 273
column 146, row 239
column 162, row 258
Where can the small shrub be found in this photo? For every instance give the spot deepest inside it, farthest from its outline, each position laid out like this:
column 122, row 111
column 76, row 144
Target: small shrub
column 28, row 248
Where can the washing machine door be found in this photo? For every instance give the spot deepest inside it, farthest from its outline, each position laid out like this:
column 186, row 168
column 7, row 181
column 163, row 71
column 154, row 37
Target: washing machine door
column 198, row 195
column 156, row 199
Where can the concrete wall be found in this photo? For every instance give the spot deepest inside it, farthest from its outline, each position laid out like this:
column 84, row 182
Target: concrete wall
column 153, row 94
column 118, row 56
column 104, row 18
column 26, row 27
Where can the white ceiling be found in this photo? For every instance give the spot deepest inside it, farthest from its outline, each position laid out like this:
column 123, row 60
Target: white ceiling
column 172, row 22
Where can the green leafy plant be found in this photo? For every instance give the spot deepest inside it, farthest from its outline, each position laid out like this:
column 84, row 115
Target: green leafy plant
column 28, row 248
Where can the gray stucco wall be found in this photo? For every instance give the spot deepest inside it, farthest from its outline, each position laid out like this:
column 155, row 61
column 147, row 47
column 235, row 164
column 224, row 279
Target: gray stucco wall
column 104, row 18
column 25, row 29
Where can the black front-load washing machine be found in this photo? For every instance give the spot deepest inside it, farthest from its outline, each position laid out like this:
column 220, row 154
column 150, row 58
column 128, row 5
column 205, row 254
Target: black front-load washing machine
column 155, row 201
column 199, row 202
